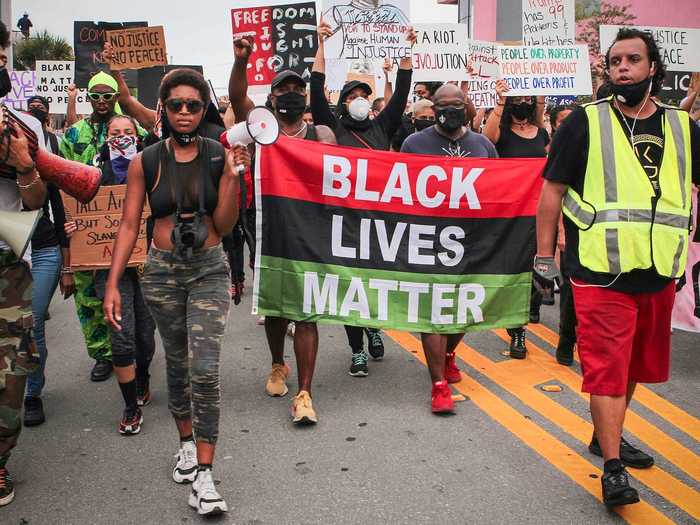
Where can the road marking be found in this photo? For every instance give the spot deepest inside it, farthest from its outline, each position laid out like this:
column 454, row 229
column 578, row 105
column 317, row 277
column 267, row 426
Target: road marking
column 683, row 458
column 679, row 418
column 565, row 459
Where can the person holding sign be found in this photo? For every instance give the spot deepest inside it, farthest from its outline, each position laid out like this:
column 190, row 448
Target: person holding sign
column 517, row 129
column 288, row 101
column 354, row 127
column 192, row 186
column 621, row 170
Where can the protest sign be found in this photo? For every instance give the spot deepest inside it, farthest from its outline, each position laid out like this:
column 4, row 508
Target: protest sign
column 440, row 52
column 484, row 70
column 686, row 309
column 549, row 22
column 137, row 48
column 88, row 43
column 149, row 82
column 98, row 222
column 23, row 87
column 52, row 80
column 446, row 242
column 678, row 46
column 372, row 33
column 284, row 38
column 562, row 70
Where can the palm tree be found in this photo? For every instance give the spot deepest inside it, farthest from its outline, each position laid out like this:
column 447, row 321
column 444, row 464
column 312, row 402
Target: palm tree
column 42, row 46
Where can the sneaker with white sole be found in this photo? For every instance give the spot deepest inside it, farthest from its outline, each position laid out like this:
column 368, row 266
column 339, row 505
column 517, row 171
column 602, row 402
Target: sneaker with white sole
column 185, row 470
column 204, row 496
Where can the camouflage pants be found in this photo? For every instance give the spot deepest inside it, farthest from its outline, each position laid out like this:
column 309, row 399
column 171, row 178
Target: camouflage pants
column 17, row 352
column 91, row 317
column 189, row 300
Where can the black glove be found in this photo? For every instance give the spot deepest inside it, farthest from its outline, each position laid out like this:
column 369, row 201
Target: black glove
column 544, row 276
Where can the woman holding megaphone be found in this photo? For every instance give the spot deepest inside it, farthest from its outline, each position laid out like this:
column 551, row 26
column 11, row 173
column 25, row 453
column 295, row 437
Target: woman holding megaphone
column 192, row 186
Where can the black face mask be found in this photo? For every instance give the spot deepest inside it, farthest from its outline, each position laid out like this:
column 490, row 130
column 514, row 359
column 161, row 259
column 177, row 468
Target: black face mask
column 522, row 111
column 39, row 114
column 290, row 106
column 450, row 118
column 5, row 82
column 423, row 123
column 631, row 94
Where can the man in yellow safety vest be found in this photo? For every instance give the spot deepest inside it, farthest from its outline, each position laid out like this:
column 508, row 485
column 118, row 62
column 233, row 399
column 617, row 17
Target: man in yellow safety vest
column 621, row 170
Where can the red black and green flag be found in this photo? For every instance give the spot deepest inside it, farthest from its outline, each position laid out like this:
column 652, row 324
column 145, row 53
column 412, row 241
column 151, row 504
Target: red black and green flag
column 390, row 240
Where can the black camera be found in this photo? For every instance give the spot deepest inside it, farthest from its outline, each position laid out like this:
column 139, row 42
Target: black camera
column 189, row 234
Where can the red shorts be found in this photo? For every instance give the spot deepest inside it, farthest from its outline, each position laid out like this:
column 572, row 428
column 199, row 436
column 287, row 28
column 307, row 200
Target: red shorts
column 622, row 337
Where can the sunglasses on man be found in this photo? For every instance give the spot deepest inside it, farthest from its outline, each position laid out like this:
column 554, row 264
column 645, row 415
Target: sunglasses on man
column 175, row 105
column 102, row 96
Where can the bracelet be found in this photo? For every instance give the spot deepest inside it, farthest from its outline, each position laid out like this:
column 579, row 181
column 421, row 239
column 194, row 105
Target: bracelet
column 27, row 186
column 27, row 172
column 66, row 271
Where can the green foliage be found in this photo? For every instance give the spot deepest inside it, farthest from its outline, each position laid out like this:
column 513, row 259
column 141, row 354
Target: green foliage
column 42, row 46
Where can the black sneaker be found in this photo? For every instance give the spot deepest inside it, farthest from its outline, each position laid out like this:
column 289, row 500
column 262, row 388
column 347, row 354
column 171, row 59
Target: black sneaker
column 375, row 344
column 101, row 371
column 565, row 353
column 143, row 392
column 33, row 412
column 517, row 343
column 617, row 490
column 7, row 487
column 358, row 368
column 629, row 455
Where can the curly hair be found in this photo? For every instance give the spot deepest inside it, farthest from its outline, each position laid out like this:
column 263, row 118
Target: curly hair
column 4, row 36
column 184, row 76
column 653, row 54
column 431, row 87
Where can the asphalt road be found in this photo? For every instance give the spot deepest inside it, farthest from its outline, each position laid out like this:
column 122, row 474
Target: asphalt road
column 512, row 454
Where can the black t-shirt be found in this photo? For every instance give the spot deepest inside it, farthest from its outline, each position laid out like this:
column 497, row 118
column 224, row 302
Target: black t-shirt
column 510, row 144
column 566, row 164
column 47, row 232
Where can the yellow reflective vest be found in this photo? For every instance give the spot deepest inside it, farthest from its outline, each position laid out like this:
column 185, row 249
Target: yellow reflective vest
column 623, row 225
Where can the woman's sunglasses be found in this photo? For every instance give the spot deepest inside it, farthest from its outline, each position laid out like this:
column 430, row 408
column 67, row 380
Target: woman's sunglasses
column 102, row 96
column 175, row 105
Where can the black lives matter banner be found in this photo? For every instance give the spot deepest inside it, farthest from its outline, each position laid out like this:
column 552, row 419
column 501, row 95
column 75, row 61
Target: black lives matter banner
column 88, row 43
column 380, row 239
column 284, row 36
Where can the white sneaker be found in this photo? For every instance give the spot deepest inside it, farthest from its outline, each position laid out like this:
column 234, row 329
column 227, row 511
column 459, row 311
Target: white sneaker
column 204, row 496
column 185, row 470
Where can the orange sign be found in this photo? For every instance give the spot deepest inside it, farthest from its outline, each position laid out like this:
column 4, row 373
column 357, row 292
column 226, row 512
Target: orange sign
column 98, row 222
column 138, row 47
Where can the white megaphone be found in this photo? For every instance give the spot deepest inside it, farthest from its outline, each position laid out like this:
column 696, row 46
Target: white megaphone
column 261, row 127
column 17, row 229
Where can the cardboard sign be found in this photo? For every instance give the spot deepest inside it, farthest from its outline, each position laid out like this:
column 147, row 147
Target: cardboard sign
column 23, row 87
column 549, row 22
column 138, row 47
column 284, row 38
column 52, row 80
column 367, row 33
column 678, row 46
column 88, row 44
column 441, row 52
column 562, row 70
column 98, row 222
column 484, row 70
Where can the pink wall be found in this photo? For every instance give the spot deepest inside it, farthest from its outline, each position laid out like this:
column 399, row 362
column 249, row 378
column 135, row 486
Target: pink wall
column 485, row 20
column 668, row 13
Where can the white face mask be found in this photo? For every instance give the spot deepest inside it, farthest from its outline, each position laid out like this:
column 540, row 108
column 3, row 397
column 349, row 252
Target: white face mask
column 359, row 108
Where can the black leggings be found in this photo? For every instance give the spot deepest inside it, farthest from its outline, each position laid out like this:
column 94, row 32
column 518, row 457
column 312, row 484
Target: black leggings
column 355, row 336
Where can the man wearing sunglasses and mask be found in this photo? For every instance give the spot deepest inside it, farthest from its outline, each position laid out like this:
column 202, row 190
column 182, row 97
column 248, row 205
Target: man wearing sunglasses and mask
column 82, row 143
column 451, row 137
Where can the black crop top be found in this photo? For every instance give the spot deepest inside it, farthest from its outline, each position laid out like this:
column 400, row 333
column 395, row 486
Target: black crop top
column 163, row 197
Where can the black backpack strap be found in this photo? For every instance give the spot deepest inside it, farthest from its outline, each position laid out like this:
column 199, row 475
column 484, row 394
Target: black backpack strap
column 150, row 160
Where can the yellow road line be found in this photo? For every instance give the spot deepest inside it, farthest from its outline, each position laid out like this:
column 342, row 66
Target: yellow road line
column 557, row 453
column 684, row 458
column 679, row 418
column 520, row 377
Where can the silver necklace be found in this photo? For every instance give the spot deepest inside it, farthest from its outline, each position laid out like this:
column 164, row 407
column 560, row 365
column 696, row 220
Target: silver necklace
column 301, row 128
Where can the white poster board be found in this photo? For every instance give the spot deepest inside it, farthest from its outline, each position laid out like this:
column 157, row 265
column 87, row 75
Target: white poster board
column 367, row 33
column 680, row 47
column 484, row 70
column 52, row 80
column 562, row 70
column 23, row 86
column 441, row 52
column 549, row 22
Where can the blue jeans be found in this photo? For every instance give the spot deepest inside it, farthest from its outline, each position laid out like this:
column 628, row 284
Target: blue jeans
column 46, row 270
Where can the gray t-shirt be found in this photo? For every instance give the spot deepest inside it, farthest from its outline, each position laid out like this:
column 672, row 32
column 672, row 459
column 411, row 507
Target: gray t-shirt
column 430, row 142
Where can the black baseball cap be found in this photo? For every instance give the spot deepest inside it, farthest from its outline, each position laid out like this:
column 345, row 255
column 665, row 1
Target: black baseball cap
column 286, row 76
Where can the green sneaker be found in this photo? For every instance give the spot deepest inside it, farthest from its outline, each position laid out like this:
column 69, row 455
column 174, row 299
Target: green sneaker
column 7, row 488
